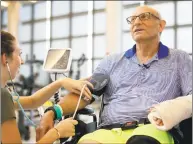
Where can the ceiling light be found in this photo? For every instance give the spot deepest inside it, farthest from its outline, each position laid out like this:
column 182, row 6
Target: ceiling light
column 4, row 3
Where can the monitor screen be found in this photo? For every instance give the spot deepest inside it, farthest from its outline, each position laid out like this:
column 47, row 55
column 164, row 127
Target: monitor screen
column 58, row 60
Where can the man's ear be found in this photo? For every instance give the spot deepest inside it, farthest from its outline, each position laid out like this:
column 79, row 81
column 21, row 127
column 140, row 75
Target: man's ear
column 162, row 25
column 4, row 59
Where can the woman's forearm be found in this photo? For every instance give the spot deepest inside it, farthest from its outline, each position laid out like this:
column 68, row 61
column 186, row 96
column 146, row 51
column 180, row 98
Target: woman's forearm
column 41, row 96
column 49, row 138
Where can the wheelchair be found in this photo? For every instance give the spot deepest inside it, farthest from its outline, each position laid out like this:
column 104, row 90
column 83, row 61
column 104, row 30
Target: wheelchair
column 84, row 128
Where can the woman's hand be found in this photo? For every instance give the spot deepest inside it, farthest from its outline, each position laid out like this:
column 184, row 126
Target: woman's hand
column 76, row 86
column 66, row 127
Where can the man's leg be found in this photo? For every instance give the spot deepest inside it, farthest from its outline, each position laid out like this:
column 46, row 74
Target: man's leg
column 89, row 142
column 149, row 132
column 103, row 136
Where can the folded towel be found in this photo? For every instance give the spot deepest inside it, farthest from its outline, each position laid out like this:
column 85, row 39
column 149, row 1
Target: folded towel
column 171, row 112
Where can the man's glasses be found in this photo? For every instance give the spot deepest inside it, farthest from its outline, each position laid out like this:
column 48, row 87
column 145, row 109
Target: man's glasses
column 142, row 17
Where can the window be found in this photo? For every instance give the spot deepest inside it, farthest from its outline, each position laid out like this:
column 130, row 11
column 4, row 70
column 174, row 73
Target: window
column 60, row 8
column 83, row 70
column 60, row 43
column 24, row 32
column 40, row 50
column 130, row 2
column 79, row 47
column 128, row 41
column 184, row 39
column 60, row 28
column 99, row 46
column 43, row 78
column 5, row 17
column 184, row 12
column 25, row 68
column 40, row 10
column 99, row 5
column 100, row 23
column 25, row 13
column 99, row 31
column 26, row 50
column 79, row 6
column 79, row 25
column 167, row 38
column 40, row 31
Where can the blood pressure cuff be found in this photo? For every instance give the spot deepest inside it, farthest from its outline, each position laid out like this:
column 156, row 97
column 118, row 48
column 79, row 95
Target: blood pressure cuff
column 99, row 82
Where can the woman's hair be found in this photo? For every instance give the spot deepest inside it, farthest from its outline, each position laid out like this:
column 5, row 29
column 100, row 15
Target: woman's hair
column 7, row 41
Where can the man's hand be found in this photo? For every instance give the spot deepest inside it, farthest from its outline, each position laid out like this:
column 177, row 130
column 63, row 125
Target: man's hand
column 158, row 121
column 46, row 123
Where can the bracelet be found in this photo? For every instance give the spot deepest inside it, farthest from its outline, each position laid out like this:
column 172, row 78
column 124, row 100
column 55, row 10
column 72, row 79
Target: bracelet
column 58, row 112
column 57, row 132
column 61, row 110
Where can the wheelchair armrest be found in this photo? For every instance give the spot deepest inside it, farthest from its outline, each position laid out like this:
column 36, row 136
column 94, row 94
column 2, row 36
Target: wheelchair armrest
column 87, row 111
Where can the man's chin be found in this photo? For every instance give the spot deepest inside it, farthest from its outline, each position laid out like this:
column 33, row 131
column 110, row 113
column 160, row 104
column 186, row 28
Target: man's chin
column 140, row 39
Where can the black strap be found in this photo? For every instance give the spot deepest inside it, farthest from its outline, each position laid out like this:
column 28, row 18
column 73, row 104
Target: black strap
column 127, row 125
column 109, row 127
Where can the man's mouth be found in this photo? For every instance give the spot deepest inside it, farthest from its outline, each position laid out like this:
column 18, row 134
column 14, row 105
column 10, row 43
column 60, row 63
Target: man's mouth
column 139, row 30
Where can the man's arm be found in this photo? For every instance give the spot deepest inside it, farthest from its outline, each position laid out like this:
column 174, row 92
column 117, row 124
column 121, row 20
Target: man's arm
column 69, row 103
column 185, row 74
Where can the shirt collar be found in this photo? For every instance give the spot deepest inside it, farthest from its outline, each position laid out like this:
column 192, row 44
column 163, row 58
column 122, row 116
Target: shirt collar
column 162, row 52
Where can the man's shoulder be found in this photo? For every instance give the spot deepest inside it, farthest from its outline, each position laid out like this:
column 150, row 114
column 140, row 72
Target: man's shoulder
column 178, row 53
column 115, row 56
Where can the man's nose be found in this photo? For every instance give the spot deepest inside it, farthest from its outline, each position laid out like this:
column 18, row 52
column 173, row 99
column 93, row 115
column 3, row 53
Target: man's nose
column 137, row 21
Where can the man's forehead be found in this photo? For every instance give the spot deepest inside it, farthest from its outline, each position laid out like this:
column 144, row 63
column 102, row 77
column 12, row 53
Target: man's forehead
column 143, row 9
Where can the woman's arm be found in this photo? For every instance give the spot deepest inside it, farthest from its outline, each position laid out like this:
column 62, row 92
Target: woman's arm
column 10, row 132
column 64, row 128
column 44, row 94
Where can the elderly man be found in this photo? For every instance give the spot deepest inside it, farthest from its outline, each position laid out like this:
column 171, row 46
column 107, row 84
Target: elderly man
column 144, row 75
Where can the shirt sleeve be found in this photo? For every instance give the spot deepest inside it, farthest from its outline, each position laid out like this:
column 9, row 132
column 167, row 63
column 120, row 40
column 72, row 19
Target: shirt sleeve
column 7, row 106
column 104, row 66
column 185, row 71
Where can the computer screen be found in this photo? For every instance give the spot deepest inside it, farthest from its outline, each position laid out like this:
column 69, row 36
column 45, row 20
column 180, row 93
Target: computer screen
column 58, row 60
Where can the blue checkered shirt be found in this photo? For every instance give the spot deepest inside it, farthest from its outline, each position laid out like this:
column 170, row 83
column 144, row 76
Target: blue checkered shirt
column 134, row 88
